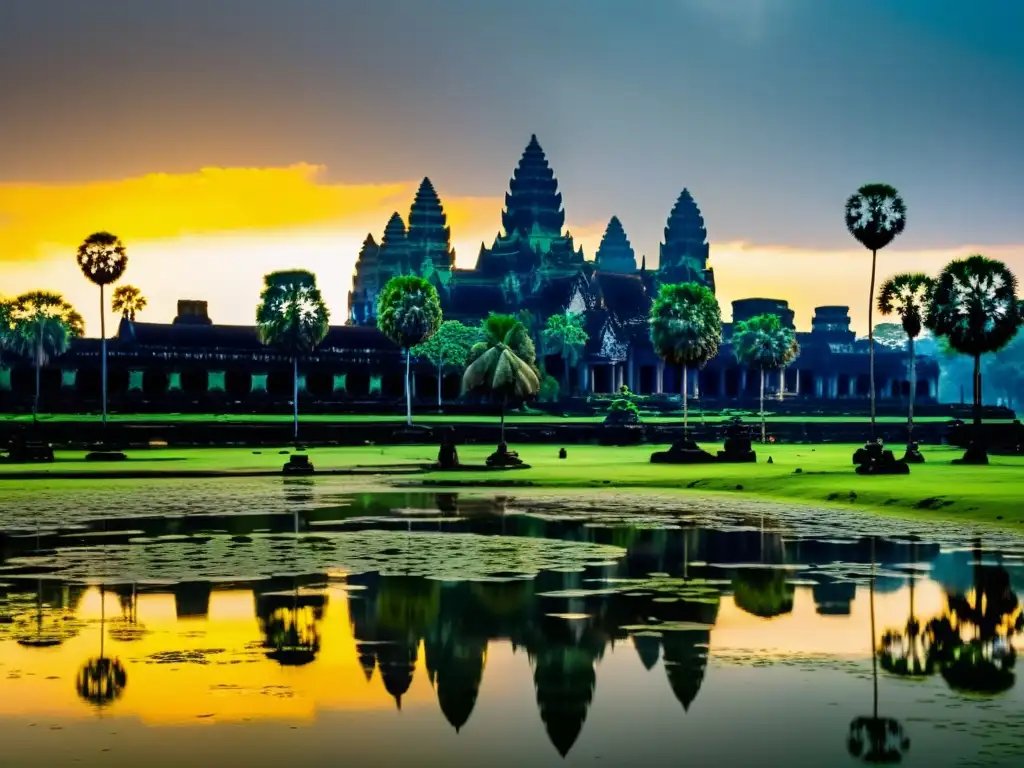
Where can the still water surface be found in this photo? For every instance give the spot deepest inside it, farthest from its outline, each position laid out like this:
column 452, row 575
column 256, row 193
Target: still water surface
column 262, row 623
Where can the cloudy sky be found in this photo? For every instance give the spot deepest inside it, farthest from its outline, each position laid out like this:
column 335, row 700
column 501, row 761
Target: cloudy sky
column 225, row 138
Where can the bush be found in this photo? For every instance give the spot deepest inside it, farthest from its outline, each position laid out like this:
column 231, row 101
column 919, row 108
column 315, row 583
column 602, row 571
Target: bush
column 622, row 404
column 549, row 389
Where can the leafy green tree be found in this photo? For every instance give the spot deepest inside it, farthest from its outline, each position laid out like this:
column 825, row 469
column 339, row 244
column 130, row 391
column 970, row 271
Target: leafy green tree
column 891, row 336
column 102, row 259
column 7, row 336
column 42, row 325
column 564, row 335
column 686, row 328
column 907, row 295
column 763, row 342
column 875, row 216
column 504, row 364
column 974, row 306
column 292, row 316
column 448, row 348
column 128, row 300
column 408, row 313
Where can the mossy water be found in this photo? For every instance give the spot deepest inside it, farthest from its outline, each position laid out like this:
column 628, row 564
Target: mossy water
column 308, row 621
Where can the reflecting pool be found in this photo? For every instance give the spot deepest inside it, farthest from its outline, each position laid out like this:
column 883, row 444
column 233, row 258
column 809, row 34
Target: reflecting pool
column 304, row 623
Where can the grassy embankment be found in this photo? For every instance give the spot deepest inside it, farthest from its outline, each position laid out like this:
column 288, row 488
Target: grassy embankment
column 937, row 489
column 431, row 418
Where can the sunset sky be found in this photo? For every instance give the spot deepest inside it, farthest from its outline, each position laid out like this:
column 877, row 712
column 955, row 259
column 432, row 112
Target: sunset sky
column 222, row 139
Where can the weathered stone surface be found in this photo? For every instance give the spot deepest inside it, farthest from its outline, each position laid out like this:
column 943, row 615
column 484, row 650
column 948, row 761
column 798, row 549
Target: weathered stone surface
column 298, row 464
column 737, row 448
column 873, row 459
column 683, row 452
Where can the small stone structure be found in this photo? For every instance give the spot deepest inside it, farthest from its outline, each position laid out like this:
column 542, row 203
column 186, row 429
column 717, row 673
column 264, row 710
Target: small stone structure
column 913, row 454
column 448, row 455
column 298, row 464
column 684, row 451
column 873, row 459
column 503, row 458
column 737, row 448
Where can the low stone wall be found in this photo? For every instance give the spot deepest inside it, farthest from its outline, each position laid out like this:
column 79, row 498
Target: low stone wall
column 186, row 433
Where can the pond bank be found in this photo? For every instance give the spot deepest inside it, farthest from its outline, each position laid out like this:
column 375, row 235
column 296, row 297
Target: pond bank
column 936, row 489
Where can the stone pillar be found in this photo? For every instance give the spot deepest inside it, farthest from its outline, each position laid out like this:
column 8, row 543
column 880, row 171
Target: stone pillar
column 782, row 383
column 819, row 386
column 620, row 371
column 135, row 379
column 721, row 383
column 631, row 381
column 584, row 382
column 696, row 384
column 796, row 382
column 933, row 388
column 659, row 378
column 851, row 386
column 833, row 386
column 743, row 382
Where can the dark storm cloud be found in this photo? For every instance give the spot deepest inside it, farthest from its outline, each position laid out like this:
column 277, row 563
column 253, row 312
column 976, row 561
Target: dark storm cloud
column 771, row 111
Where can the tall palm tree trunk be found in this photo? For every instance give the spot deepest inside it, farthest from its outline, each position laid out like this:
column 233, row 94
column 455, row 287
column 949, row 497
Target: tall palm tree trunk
column 103, row 357
column 504, row 402
column 295, row 397
column 440, row 375
column 977, row 390
column 913, row 392
column 408, row 388
column 39, row 363
column 686, row 409
column 764, row 428
column 565, row 376
column 871, row 339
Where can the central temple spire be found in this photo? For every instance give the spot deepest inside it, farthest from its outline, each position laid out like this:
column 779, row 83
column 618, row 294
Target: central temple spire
column 428, row 239
column 533, row 205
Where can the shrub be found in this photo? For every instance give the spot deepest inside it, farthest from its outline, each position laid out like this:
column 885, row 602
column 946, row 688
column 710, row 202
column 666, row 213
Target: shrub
column 622, row 404
column 549, row 389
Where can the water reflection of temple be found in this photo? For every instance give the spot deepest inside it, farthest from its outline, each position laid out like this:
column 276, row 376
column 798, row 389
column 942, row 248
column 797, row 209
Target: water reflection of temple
column 666, row 600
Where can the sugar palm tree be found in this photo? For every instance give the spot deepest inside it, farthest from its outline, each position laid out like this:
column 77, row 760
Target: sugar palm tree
column 102, row 259
column 128, row 300
column 563, row 335
column 292, row 316
column 7, row 337
column 763, row 342
column 686, row 328
column 875, row 216
column 974, row 307
column 504, row 364
column 408, row 313
column 907, row 295
column 42, row 325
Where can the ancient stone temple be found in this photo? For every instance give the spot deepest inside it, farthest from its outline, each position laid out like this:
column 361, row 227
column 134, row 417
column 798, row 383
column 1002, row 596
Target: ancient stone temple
column 532, row 269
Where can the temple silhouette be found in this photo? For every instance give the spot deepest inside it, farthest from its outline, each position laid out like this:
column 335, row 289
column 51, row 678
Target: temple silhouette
column 532, row 268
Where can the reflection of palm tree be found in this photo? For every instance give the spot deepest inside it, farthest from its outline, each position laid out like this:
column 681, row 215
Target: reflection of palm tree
column 876, row 739
column 290, row 625
column 973, row 640
column 49, row 628
column 907, row 653
column 101, row 680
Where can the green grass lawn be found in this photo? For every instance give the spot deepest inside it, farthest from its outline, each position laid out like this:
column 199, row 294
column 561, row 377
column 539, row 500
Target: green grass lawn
column 431, row 418
column 936, row 489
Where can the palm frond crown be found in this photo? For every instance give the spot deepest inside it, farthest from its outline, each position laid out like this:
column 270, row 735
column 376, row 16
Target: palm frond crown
column 974, row 305
column 292, row 313
column 42, row 323
column 102, row 258
column 504, row 364
column 907, row 295
column 408, row 310
column 686, row 324
column 876, row 215
column 763, row 342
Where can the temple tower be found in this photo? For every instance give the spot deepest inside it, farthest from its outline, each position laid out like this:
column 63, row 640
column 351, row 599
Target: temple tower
column 393, row 256
column 615, row 254
column 362, row 299
column 428, row 240
column 532, row 222
column 684, row 254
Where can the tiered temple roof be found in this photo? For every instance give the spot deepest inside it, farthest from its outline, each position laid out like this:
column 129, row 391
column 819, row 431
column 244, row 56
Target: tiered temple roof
column 365, row 283
column 615, row 254
column 532, row 221
column 393, row 256
column 684, row 254
column 428, row 239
